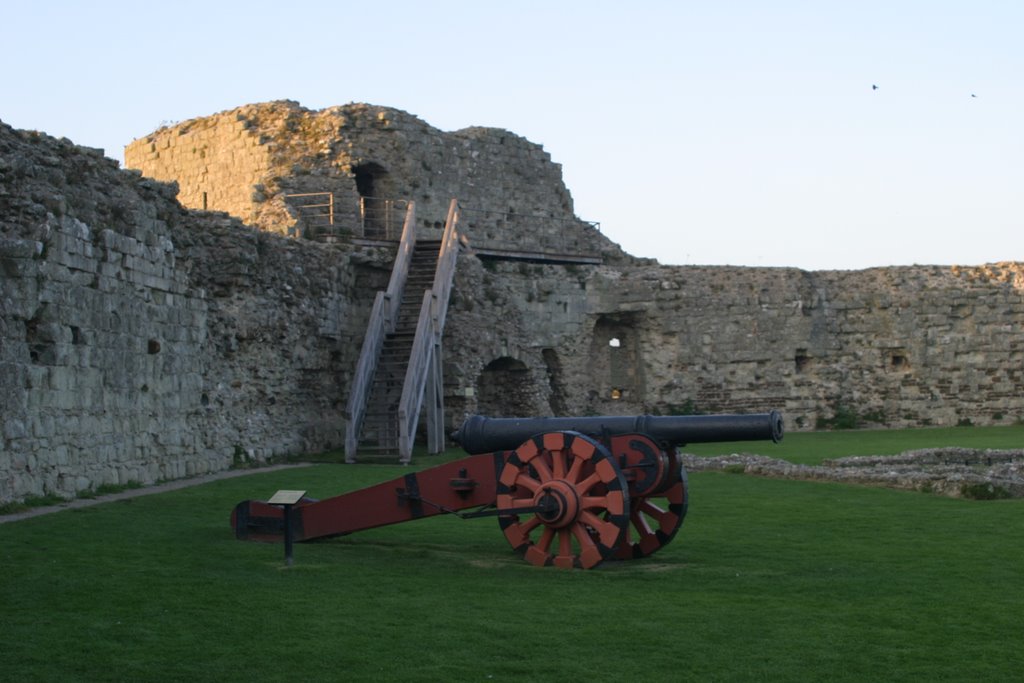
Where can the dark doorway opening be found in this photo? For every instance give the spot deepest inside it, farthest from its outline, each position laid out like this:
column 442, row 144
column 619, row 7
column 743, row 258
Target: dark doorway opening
column 369, row 181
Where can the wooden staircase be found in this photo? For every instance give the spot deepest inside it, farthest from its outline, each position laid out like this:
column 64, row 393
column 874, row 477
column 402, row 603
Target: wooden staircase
column 400, row 360
column 380, row 429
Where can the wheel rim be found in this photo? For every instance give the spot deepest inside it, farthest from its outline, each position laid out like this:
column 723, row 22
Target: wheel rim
column 585, row 494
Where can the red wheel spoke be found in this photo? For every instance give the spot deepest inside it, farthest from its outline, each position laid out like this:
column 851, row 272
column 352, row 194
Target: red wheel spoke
column 664, row 518
column 528, row 483
column 592, row 502
column 564, row 543
column 543, row 471
column 573, row 475
column 529, row 525
column 648, row 506
column 583, row 536
column 565, row 558
column 640, row 522
column 608, row 532
column 612, row 502
column 590, row 554
column 546, row 536
column 588, row 483
column 558, row 464
column 519, row 498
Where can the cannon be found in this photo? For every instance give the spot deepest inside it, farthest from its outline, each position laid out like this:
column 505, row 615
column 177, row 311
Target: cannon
column 568, row 492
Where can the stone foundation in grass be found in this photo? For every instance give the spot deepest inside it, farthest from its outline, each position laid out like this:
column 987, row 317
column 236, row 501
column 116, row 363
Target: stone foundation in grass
column 954, row 472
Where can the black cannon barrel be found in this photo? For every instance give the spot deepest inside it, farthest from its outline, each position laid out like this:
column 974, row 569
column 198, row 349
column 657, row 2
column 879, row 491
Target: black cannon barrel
column 479, row 434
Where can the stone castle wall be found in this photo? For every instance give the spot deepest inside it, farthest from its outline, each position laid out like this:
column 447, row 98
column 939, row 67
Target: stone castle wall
column 140, row 340
column 913, row 346
column 215, row 162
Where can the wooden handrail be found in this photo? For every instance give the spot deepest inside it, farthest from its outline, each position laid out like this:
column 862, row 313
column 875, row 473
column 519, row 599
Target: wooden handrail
column 415, row 378
column 399, row 272
column 362, row 380
column 445, row 272
column 429, row 329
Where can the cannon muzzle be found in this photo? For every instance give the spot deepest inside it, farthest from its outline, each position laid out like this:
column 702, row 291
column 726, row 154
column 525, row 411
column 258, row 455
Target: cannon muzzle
column 480, row 434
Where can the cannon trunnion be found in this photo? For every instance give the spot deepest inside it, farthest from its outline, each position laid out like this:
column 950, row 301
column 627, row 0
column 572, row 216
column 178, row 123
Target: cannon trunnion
column 567, row 492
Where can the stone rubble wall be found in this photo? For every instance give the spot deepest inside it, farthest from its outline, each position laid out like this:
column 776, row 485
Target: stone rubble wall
column 215, row 162
column 903, row 346
column 892, row 347
column 100, row 340
column 886, row 347
column 141, row 342
column 951, row 472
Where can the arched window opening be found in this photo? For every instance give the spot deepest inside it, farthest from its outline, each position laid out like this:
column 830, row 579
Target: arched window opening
column 615, row 364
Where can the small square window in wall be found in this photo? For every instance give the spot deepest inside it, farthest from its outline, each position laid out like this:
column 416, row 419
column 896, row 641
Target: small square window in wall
column 802, row 360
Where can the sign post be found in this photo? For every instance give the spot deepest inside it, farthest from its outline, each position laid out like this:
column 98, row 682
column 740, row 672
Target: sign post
column 286, row 499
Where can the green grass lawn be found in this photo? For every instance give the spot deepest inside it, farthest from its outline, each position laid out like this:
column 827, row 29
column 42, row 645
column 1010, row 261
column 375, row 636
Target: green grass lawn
column 767, row 580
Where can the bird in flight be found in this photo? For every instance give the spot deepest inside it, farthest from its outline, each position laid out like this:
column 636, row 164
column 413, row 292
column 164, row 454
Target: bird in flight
column 874, row 87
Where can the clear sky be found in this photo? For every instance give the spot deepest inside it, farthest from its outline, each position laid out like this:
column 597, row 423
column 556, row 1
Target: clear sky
column 695, row 132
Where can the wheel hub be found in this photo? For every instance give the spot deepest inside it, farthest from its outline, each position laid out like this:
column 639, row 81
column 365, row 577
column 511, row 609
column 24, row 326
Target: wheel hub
column 560, row 501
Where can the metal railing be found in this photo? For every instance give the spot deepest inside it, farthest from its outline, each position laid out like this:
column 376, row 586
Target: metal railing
column 374, row 217
column 383, row 219
column 316, row 208
column 380, row 218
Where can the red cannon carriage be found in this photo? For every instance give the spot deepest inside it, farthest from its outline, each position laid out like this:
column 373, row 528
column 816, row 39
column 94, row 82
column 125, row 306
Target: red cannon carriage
column 568, row 492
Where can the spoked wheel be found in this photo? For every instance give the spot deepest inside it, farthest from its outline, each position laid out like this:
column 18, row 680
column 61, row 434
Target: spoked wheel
column 653, row 523
column 658, row 495
column 577, row 496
